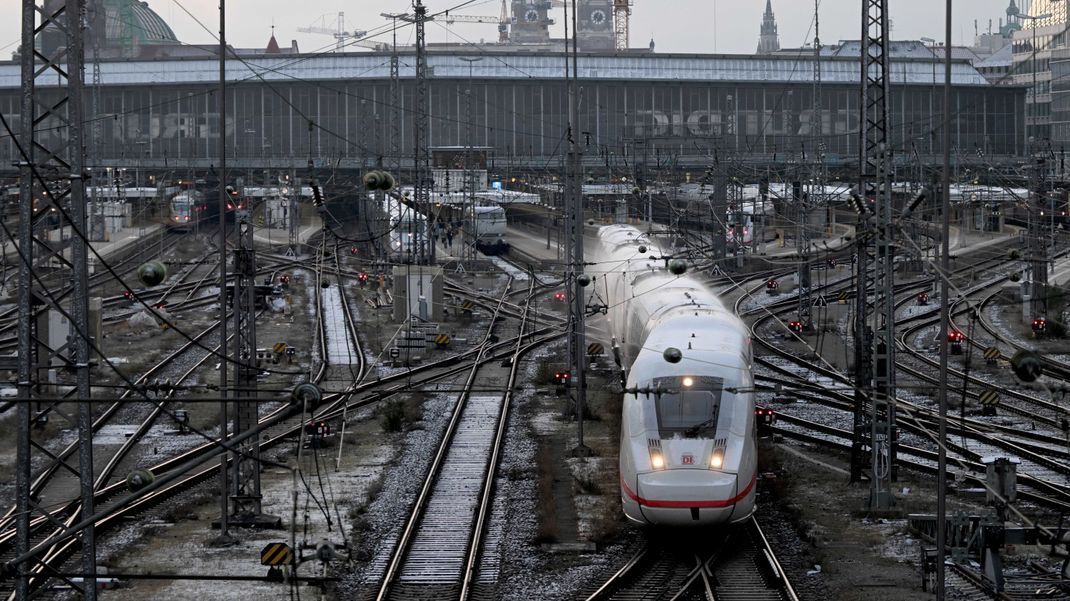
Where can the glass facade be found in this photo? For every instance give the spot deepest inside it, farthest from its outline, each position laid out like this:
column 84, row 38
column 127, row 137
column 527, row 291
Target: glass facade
column 524, row 120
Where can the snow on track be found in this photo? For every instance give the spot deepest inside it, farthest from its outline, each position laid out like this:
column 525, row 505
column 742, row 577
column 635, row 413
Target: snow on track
column 340, row 349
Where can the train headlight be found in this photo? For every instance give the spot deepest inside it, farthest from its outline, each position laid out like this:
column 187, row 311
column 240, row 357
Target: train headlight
column 717, row 459
column 657, row 460
column 688, row 381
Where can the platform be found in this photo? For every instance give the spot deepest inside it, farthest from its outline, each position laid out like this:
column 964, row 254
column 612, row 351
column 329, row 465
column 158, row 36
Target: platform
column 281, row 236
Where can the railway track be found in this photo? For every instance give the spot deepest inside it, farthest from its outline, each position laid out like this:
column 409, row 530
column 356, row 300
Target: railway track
column 1044, row 453
column 69, row 513
column 734, row 564
column 437, row 550
column 181, row 473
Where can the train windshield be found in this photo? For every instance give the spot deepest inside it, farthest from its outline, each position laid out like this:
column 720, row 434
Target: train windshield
column 688, row 406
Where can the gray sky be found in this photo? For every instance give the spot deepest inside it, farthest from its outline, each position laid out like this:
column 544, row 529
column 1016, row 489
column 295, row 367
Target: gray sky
column 726, row 26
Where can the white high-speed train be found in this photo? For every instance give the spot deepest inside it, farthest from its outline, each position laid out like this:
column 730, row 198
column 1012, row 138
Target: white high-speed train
column 407, row 230
column 688, row 439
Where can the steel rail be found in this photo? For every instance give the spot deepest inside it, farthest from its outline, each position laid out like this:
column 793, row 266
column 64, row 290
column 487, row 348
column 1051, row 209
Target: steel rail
column 416, row 514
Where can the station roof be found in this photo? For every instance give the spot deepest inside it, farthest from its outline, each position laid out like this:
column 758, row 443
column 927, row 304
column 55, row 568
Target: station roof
column 755, row 69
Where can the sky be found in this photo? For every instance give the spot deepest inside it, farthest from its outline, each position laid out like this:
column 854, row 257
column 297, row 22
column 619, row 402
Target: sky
column 699, row 26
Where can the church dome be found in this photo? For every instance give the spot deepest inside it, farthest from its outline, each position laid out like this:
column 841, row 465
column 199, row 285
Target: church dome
column 133, row 21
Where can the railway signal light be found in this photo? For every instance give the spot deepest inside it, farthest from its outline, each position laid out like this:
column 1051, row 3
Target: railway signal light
column 795, row 326
column 559, row 296
column 316, row 432
column 352, row 250
column 128, row 294
column 362, row 278
column 1040, row 326
column 561, row 378
column 285, row 279
column 923, row 298
column 772, row 286
column 956, row 337
column 764, row 416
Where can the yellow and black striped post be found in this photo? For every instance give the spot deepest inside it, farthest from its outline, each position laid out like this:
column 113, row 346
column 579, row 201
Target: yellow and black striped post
column 276, row 554
column 991, row 355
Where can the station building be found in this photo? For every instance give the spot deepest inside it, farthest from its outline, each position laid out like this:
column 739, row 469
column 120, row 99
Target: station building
column 156, row 105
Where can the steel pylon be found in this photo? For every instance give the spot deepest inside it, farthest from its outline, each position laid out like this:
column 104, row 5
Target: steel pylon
column 53, row 251
column 875, row 355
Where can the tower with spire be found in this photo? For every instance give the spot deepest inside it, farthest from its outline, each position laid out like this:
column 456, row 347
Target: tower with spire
column 768, row 42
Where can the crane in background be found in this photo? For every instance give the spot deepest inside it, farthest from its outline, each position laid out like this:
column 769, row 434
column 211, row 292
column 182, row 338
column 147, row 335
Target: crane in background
column 344, row 38
column 622, row 11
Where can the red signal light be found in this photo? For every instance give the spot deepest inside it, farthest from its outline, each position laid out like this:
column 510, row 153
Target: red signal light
column 1040, row 324
column 559, row 296
column 795, row 326
column 923, row 297
column 955, row 336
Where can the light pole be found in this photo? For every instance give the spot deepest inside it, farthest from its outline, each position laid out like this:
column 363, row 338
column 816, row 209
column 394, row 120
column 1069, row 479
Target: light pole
column 469, row 202
column 932, row 98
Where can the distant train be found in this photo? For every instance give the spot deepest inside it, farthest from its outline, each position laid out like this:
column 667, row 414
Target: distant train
column 688, row 434
column 487, row 230
column 187, row 208
column 490, row 230
column 190, row 207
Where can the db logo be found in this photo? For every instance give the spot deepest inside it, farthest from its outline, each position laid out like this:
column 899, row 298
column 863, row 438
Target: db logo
column 688, row 460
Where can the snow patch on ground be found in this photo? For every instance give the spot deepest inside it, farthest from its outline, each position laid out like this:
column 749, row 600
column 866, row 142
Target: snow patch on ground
column 518, row 274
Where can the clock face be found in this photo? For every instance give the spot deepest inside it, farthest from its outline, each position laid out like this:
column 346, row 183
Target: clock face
column 598, row 17
column 531, row 16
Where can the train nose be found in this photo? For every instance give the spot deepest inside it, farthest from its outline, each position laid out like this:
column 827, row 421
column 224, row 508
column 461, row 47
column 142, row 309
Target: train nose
column 685, row 497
